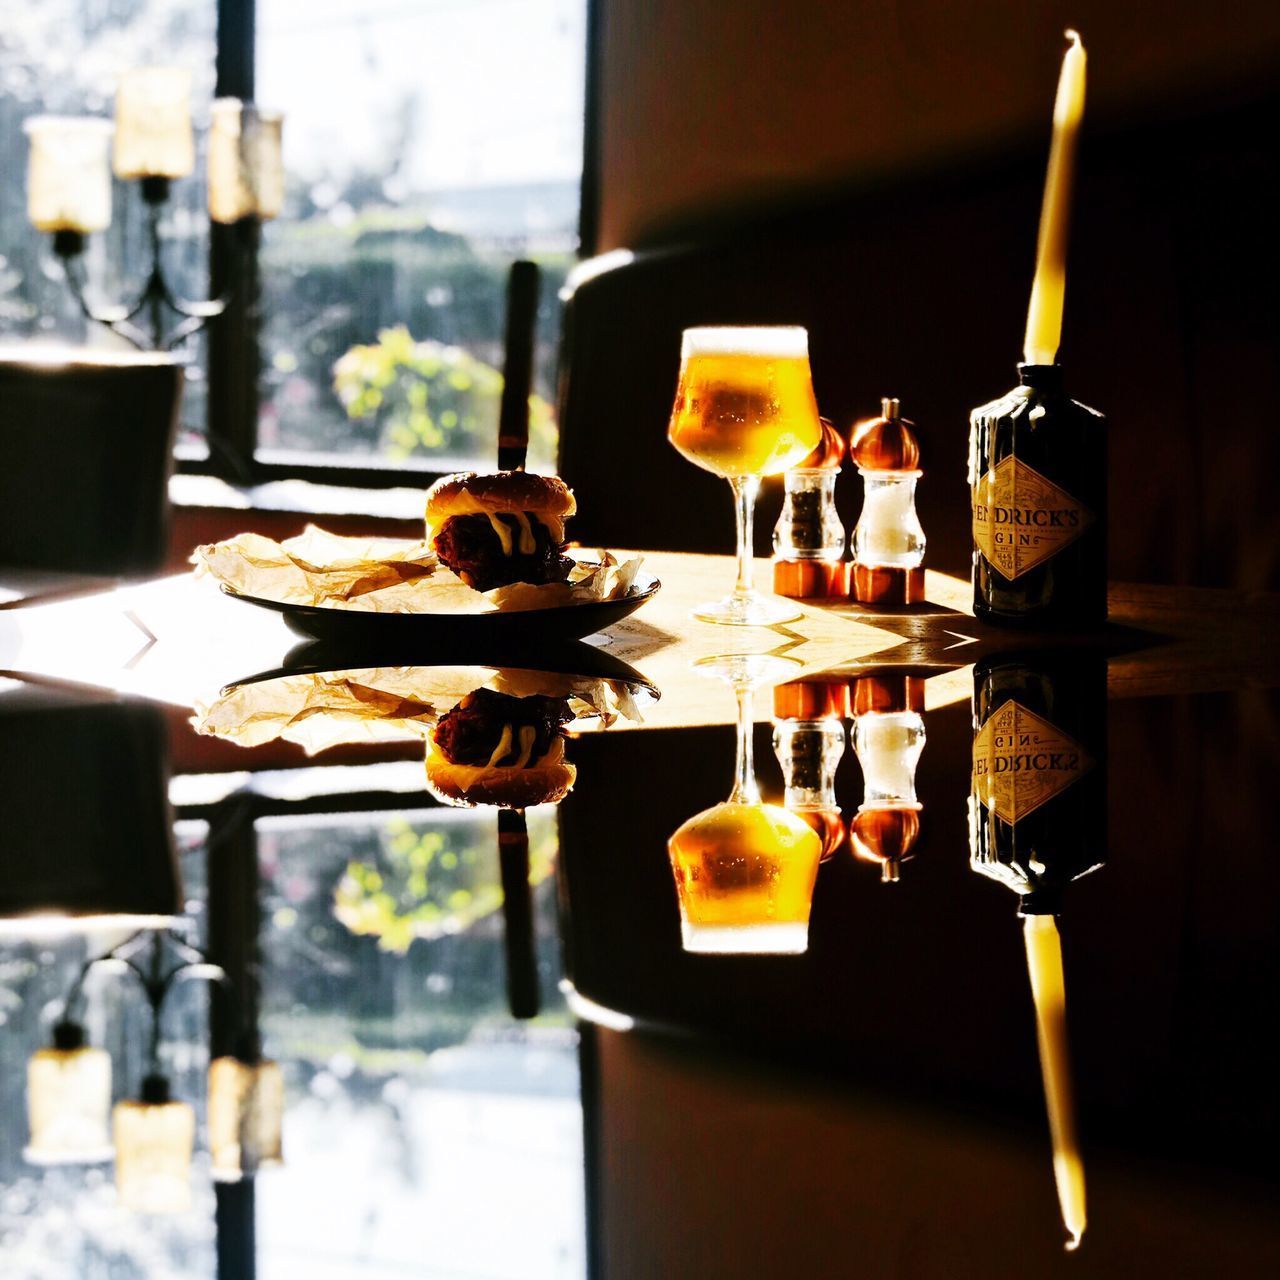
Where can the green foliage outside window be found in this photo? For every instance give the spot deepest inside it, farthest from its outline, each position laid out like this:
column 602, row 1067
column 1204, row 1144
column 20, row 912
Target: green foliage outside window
column 425, row 884
column 424, row 397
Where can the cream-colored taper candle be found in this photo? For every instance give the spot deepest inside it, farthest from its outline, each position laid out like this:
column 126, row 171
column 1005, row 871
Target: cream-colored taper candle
column 1048, row 990
column 1044, row 316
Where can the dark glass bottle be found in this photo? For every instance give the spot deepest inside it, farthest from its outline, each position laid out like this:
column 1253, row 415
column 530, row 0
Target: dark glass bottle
column 1038, row 488
column 1038, row 792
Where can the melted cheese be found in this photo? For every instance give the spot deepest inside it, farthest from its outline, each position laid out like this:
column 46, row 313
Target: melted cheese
column 503, row 748
column 527, row 544
column 467, row 505
column 528, row 734
column 503, row 532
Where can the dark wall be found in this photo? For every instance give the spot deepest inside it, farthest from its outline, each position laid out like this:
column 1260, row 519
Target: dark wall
column 703, row 106
column 918, row 289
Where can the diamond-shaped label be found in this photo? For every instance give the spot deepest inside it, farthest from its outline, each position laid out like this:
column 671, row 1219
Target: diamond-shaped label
column 1020, row 518
column 1020, row 761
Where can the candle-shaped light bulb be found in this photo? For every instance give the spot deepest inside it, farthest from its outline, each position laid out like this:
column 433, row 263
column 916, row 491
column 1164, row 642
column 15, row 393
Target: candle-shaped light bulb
column 68, row 175
column 246, row 1110
column 1044, row 316
column 153, row 1139
column 68, row 1100
column 246, row 173
column 1048, row 991
column 153, row 124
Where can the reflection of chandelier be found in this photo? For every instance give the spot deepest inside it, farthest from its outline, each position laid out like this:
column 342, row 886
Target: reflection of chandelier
column 69, row 185
column 69, row 1093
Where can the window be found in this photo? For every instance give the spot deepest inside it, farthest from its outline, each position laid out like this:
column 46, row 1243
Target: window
column 411, row 1094
column 428, row 145
column 64, row 57
column 413, row 1101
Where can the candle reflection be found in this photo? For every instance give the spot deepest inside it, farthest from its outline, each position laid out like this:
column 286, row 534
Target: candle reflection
column 1048, row 990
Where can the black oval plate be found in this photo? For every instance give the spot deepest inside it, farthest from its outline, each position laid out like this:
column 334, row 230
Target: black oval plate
column 528, row 626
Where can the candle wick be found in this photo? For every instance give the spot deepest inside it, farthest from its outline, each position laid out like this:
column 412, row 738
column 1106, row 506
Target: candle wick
column 1073, row 35
column 1074, row 1243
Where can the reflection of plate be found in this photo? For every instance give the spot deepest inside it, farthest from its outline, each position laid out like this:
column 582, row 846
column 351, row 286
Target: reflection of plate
column 318, row 705
column 572, row 658
column 527, row 626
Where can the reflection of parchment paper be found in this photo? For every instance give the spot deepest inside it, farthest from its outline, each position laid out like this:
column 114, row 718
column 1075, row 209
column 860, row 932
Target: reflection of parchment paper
column 389, row 576
column 385, row 704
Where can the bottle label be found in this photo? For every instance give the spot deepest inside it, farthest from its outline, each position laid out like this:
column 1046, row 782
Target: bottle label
column 1020, row 518
column 1021, row 761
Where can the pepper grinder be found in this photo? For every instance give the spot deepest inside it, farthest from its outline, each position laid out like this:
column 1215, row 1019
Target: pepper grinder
column 888, row 542
column 809, row 540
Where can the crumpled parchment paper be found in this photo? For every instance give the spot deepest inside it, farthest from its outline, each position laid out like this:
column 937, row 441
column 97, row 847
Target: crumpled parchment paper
column 390, row 576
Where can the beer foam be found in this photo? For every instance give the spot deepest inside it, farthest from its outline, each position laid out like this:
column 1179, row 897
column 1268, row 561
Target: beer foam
column 789, row 938
column 782, row 342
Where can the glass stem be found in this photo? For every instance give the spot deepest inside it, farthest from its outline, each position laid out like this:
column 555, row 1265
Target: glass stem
column 745, row 788
column 745, row 490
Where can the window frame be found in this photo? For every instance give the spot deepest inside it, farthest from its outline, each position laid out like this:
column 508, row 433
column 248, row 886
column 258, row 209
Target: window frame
column 234, row 350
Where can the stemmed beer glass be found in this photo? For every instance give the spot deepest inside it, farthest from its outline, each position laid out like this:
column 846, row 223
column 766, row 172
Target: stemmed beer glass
column 745, row 409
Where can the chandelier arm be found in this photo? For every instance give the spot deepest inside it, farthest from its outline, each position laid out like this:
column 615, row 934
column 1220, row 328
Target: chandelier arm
column 77, row 987
column 116, row 317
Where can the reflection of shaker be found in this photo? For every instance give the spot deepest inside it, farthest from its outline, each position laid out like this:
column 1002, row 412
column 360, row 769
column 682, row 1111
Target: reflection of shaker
column 1037, row 815
column 888, row 737
column 809, row 742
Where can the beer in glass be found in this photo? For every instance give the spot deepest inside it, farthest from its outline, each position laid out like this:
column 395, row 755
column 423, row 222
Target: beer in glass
column 745, row 409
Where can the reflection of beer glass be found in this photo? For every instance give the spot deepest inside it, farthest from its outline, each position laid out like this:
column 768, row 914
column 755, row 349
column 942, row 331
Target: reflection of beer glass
column 744, row 870
column 745, row 409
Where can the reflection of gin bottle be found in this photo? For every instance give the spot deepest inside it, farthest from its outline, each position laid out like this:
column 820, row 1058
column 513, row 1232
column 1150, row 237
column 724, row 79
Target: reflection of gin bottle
column 809, row 540
column 888, row 542
column 1037, row 803
column 809, row 742
column 1037, row 821
column 888, row 737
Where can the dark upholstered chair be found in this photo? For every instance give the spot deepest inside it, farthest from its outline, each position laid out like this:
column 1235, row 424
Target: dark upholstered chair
column 86, row 443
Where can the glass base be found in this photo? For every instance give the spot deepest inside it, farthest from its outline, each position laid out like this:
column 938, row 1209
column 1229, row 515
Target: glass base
column 777, row 939
column 749, row 609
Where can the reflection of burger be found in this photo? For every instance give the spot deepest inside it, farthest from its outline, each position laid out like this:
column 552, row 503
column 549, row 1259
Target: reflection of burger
column 501, row 749
column 493, row 530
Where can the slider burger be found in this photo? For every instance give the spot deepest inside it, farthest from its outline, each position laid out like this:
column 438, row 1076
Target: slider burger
column 493, row 530
column 499, row 749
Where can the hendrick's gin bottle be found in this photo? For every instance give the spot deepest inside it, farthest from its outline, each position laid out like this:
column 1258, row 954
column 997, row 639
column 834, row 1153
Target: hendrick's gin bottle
column 1038, row 487
column 1038, row 795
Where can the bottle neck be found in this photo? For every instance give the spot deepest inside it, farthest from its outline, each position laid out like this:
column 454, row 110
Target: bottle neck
column 1040, row 377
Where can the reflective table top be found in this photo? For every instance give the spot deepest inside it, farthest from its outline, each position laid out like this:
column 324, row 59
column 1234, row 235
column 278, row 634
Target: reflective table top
column 873, row 943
